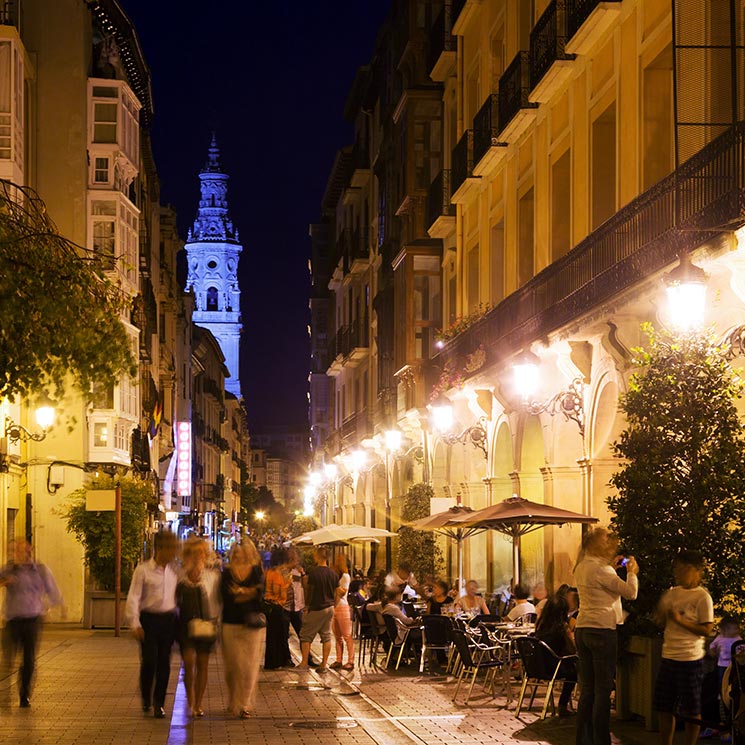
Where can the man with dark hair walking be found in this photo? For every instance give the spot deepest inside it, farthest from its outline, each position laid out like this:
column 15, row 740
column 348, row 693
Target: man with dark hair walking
column 151, row 610
column 320, row 591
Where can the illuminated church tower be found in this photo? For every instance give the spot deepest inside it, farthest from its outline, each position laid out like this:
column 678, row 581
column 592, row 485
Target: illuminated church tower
column 213, row 251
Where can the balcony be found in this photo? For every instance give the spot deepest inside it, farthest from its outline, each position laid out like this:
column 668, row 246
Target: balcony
column 440, row 211
column 516, row 111
column 461, row 12
column 487, row 149
column 464, row 184
column 442, row 47
column 348, row 347
column 354, row 429
column 641, row 239
column 550, row 65
column 587, row 22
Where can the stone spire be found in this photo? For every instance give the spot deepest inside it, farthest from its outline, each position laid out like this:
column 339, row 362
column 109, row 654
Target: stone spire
column 213, row 222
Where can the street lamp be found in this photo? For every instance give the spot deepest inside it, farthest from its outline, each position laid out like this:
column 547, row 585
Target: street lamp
column 44, row 418
column 686, row 294
column 569, row 402
column 443, row 420
column 259, row 515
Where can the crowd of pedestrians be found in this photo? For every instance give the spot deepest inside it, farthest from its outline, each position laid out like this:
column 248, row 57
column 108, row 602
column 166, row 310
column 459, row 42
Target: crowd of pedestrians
column 254, row 598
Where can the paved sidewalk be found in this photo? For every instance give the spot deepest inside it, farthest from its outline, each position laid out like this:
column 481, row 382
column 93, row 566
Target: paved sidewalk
column 86, row 692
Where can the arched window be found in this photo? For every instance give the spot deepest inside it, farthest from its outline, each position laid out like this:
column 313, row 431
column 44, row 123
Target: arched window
column 212, row 298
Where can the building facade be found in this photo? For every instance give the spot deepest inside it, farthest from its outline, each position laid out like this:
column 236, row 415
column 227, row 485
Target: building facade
column 580, row 151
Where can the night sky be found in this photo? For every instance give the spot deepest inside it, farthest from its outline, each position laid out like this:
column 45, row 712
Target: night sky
column 271, row 78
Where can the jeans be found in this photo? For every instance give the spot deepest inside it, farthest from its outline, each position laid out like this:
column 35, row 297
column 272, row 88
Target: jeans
column 597, row 650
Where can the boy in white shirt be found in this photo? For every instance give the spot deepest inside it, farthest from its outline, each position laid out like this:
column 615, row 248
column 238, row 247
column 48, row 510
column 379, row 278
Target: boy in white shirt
column 687, row 613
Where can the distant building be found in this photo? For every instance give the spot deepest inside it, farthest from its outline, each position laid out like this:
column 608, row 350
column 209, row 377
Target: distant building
column 213, row 252
column 285, row 479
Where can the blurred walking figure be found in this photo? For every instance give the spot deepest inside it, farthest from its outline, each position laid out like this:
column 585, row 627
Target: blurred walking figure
column 29, row 590
column 342, row 621
column 243, row 626
column 196, row 598
column 151, row 610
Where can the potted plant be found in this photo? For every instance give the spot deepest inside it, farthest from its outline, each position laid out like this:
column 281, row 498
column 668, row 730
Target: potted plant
column 95, row 530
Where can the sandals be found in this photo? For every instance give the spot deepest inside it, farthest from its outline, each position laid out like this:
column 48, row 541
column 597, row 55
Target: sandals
column 348, row 666
column 336, row 665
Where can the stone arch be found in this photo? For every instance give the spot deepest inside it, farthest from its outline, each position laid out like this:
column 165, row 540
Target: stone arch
column 212, row 302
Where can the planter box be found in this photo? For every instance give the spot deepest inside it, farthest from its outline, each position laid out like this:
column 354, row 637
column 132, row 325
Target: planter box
column 98, row 612
column 637, row 671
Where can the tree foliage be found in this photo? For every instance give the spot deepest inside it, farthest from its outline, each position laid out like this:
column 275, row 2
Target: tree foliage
column 260, row 498
column 95, row 530
column 59, row 315
column 683, row 479
column 302, row 524
column 416, row 547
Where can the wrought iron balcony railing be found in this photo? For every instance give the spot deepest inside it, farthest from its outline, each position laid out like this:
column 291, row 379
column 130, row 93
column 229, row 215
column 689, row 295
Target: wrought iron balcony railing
column 441, row 38
column 462, row 162
column 351, row 337
column 354, row 428
column 514, row 89
column 578, row 11
column 688, row 207
column 486, row 127
column 11, row 13
column 547, row 41
column 438, row 198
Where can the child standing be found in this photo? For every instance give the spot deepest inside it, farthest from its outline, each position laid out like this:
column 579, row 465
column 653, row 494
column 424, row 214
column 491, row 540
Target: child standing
column 687, row 613
column 721, row 648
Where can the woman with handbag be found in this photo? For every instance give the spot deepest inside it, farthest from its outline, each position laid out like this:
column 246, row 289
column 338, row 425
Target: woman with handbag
column 196, row 600
column 277, row 584
column 243, row 626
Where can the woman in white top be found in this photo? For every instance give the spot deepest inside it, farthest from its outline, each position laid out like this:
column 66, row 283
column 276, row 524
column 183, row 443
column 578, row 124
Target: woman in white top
column 342, row 623
column 472, row 601
column 600, row 591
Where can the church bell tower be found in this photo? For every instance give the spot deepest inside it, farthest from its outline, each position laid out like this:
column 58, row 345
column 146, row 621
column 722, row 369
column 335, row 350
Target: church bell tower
column 213, row 251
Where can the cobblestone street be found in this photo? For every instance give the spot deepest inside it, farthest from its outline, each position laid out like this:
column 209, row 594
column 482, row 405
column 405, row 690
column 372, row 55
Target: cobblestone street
column 86, row 692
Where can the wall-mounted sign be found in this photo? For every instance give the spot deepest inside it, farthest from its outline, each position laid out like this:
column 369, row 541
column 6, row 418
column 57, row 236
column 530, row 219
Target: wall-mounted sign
column 183, row 465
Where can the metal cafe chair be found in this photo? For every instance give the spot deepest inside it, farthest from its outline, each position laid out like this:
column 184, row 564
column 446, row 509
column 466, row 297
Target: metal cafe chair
column 392, row 626
column 541, row 666
column 436, row 635
column 369, row 634
column 474, row 657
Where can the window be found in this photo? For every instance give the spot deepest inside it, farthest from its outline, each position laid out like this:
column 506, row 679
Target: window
column 561, row 206
column 101, row 171
column 604, row 166
column 100, row 434
column 104, row 232
column 212, row 298
column 129, row 241
column 472, row 278
column 104, row 122
column 497, row 262
column 657, row 141
column 525, row 238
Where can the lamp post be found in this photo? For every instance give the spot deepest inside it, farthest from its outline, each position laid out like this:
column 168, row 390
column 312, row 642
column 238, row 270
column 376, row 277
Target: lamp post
column 392, row 444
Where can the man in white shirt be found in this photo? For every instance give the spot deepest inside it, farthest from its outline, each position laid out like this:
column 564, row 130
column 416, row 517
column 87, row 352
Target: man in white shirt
column 151, row 611
column 600, row 591
column 401, row 580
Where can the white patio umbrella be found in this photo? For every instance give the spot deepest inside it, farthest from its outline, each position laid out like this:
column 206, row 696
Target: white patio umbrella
column 342, row 534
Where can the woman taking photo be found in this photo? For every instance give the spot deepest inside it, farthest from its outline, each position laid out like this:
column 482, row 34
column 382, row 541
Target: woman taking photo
column 600, row 591
column 196, row 631
column 243, row 626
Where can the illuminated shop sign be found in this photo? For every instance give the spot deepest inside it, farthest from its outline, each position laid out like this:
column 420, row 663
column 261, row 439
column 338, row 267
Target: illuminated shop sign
column 183, row 466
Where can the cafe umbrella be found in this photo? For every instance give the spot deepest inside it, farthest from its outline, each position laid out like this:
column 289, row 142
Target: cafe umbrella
column 442, row 524
column 333, row 533
column 515, row 517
